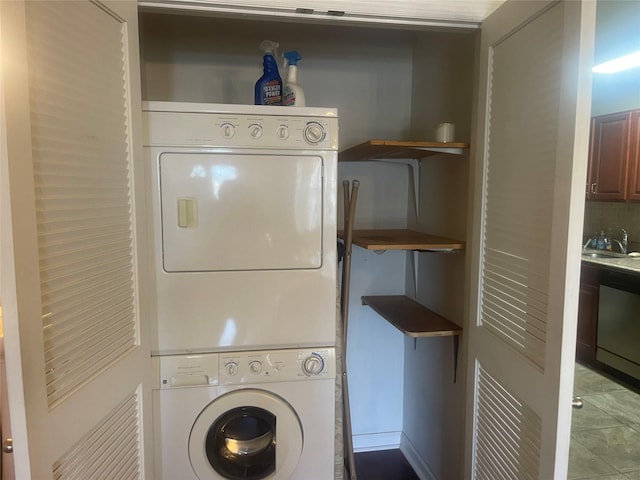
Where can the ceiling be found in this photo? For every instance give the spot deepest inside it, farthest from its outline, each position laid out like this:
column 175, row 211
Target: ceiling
column 617, row 29
column 416, row 13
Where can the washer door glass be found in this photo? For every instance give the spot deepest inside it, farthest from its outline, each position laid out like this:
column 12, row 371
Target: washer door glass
column 246, row 434
column 241, row 444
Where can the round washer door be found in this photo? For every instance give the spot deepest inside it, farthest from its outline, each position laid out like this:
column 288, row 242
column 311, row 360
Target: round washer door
column 246, row 434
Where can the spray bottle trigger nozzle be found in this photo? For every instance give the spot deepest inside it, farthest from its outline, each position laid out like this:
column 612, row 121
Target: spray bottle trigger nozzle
column 292, row 57
column 267, row 46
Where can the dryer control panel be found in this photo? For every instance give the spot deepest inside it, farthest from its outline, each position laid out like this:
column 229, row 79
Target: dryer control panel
column 271, row 127
column 276, row 366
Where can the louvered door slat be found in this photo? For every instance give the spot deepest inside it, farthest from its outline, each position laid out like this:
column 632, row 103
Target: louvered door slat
column 509, row 432
column 500, row 468
column 521, row 331
column 101, row 295
column 509, row 420
column 59, row 351
column 58, row 386
column 515, row 304
column 82, row 187
column 499, row 284
column 83, row 253
column 512, row 309
column 109, row 451
column 94, row 274
column 75, row 263
column 522, row 272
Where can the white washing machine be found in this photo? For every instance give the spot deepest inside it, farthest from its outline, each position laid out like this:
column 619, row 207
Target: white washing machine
column 244, row 226
column 249, row 415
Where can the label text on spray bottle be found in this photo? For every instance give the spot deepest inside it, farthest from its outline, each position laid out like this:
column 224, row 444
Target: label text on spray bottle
column 273, row 93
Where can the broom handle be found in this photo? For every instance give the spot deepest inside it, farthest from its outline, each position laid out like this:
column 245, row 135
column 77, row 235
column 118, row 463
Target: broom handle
column 350, row 199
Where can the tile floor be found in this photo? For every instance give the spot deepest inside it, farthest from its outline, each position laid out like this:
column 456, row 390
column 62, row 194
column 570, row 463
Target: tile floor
column 605, row 433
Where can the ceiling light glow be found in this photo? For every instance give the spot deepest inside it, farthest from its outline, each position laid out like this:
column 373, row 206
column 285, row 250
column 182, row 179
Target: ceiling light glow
column 619, row 64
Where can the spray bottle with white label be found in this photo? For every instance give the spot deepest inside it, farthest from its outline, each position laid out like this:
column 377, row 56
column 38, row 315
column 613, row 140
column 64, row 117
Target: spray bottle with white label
column 292, row 95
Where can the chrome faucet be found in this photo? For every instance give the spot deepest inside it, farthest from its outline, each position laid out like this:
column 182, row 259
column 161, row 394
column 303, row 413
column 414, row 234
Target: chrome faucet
column 623, row 243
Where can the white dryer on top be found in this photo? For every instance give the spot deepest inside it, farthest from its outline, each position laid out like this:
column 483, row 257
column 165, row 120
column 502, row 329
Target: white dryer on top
column 244, row 226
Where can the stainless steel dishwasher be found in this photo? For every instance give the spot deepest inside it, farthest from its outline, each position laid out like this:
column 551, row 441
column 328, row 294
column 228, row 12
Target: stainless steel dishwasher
column 618, row 342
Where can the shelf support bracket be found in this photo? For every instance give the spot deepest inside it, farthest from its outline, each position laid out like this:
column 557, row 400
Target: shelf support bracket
column 415, row 176
column 456, row 345
column 412, row 260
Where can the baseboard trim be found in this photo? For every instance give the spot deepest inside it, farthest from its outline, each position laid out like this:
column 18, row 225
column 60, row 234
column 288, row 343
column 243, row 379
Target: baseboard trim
column 376, row 441
column 416, row 462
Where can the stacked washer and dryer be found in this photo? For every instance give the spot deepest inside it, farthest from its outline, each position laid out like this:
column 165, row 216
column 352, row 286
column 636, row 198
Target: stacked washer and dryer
column 244, row 228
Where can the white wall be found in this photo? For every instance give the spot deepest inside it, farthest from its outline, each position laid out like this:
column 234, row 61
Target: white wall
column 375, row 357
column 617, row 33
column 364, row 72
column 433, row 403
column 443, row 84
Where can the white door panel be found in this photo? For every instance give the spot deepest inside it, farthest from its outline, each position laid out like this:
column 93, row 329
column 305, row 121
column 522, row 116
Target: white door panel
column 531, row 154
column 77, row 354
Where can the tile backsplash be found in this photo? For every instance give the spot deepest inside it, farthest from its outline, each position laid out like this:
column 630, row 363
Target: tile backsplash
column 603, row 215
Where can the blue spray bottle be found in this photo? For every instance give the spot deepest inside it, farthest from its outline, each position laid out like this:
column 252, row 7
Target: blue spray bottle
column 268, row 89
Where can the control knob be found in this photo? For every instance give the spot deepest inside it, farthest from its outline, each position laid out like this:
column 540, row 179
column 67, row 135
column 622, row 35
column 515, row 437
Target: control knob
column 314, row 133
column 255, row 366
column 313, row 365
column 231, row 369
column 227, row 130
column 282, row 132
column 255, row 131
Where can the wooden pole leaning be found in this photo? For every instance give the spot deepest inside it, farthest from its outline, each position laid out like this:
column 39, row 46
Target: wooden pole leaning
column 350, row 199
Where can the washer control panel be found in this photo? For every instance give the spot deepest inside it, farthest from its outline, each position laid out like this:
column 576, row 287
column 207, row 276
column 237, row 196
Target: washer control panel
column 237, row 368
column 198, row 370
column 276, row 365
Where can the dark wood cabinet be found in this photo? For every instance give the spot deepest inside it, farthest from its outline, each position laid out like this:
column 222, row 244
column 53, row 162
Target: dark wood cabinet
column 634, row 159
column 588, row 314
column 609, row 157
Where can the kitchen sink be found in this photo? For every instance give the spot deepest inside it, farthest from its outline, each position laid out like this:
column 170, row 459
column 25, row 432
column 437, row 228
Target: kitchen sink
column 587, row 252
column 601, row 255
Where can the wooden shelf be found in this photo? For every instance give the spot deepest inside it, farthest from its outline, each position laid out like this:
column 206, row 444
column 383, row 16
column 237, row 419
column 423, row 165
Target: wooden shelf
column 390, row 149
column 411, row 318
column 402, row 239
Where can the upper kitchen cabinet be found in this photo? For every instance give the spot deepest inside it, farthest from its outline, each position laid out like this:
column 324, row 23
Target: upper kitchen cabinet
column 634, row 163
column 609, row 157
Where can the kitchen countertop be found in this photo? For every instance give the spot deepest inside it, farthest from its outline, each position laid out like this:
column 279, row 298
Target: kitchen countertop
column 628, row 263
